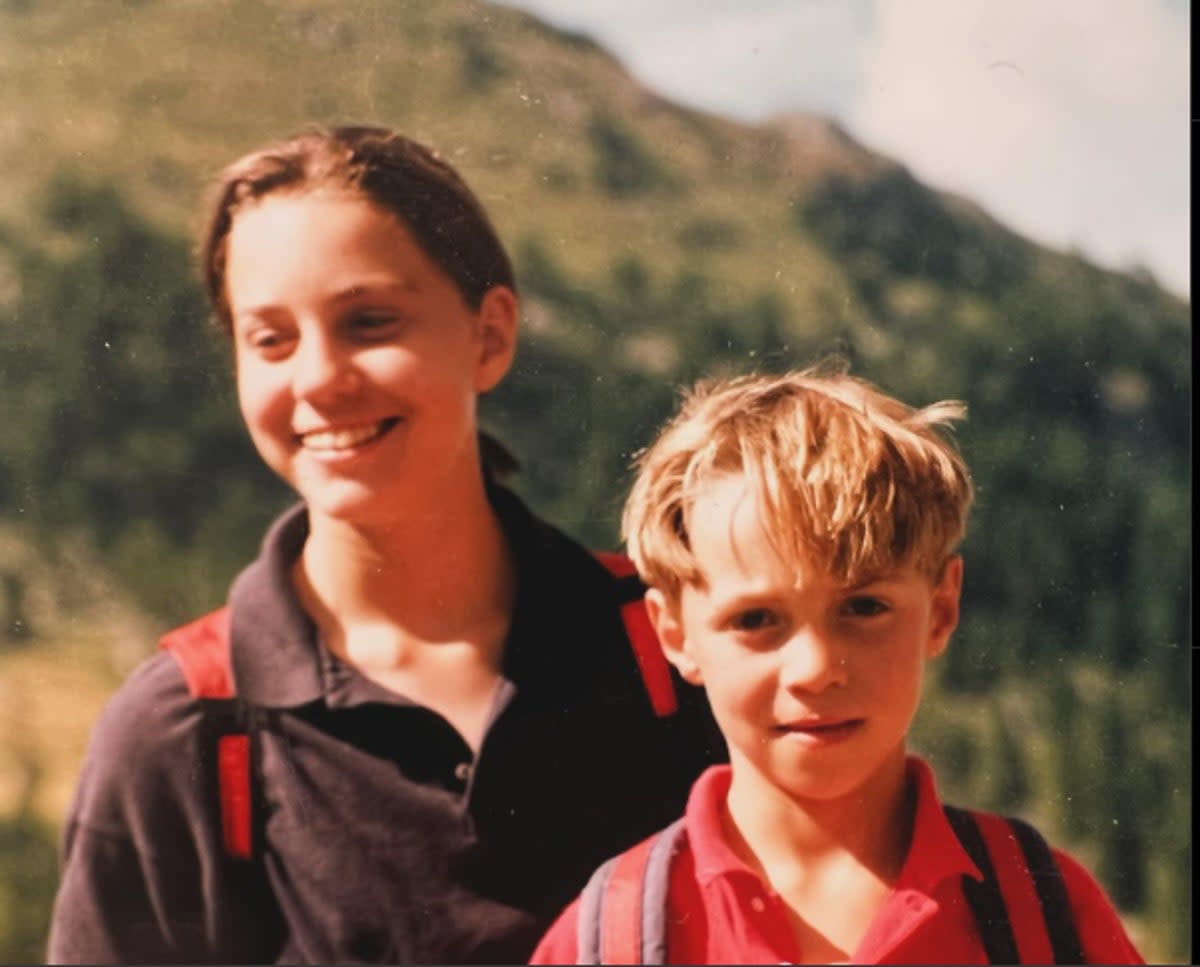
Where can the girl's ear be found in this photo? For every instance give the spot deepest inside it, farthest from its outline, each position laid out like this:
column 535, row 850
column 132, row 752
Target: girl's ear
column 497, row 319
column 664, row 615
column 943, row 616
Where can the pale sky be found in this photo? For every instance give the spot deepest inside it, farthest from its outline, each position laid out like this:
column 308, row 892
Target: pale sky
column 1069, row 120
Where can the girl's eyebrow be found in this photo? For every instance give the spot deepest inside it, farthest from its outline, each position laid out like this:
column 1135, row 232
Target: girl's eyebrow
column 348, row 294
column 359, row 289
column 261, row 313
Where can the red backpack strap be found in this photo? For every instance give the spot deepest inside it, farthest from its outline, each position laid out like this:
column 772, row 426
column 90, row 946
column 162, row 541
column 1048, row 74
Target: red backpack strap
column 623, row 908
column 202, row 649
column 652, row 663
column 1021, row 907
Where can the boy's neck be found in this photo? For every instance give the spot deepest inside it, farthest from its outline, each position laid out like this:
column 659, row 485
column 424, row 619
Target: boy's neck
column 832, row 862
column 792, row 840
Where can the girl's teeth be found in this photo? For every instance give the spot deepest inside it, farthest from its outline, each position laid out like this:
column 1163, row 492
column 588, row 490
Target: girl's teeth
column 341, row 439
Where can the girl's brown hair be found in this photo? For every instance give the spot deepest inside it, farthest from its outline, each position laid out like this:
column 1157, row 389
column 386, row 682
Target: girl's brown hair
column 393, row 172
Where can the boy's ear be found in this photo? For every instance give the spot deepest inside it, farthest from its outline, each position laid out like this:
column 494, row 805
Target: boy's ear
column 497, row 318
column 943, row 618
column 664, row 615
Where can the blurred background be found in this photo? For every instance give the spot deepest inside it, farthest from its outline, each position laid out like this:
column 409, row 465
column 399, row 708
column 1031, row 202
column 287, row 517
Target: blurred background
column 981, row 201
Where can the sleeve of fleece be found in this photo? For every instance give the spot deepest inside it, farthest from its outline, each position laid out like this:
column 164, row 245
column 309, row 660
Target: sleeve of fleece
column 1101, row 932
column 141, row 866
column 561, row 942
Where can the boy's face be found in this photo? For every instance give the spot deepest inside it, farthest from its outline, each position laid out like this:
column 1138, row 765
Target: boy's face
column 814, row 684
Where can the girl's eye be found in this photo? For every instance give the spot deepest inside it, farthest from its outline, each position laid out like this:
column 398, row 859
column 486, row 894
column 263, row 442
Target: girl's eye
column 863, row 606
column 266, row 341
column 753, row 619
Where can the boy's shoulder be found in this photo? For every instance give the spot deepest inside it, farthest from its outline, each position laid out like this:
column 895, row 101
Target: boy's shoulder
column 1031, row 902
column 1056, row 907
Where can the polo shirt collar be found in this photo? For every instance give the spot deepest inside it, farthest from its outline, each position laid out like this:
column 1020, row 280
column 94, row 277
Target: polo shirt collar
column 934, row 853
column 274, row 641
column 713, row 856
column 278, row 661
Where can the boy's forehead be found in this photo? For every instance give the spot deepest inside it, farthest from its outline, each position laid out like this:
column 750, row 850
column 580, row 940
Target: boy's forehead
column 731, row 530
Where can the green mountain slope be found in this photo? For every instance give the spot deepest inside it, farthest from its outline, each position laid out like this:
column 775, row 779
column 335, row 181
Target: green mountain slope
column 653, row 245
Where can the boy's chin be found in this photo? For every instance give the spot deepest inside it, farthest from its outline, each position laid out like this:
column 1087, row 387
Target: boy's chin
column 821, row 787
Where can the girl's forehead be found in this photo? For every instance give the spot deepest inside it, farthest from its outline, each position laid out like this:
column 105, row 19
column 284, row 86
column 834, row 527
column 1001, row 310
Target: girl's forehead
column 322, row 245
column 304, row 199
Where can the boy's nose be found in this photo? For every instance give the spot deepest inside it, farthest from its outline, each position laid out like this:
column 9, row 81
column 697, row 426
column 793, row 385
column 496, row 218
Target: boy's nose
column 812, row 663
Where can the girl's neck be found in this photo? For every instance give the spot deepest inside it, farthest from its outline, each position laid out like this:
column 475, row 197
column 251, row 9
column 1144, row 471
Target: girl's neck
column 429, row 573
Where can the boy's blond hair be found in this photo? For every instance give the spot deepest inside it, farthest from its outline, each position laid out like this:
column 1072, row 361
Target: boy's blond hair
column 846, row 476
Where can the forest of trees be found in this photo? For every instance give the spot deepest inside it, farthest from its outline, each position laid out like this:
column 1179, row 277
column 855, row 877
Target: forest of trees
column 1066, row 694
column 653, row 246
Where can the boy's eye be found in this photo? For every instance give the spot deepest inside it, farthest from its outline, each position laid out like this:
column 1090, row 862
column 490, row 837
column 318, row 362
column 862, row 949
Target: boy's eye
column 372, row 322
column 863, row 606
column 753, row 619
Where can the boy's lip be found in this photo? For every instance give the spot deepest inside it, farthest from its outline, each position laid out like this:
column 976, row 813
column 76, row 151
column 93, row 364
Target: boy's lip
column 821, row 730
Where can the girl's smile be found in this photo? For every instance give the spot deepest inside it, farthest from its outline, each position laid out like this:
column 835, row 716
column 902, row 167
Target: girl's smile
column 358, row 360
column 345, row 441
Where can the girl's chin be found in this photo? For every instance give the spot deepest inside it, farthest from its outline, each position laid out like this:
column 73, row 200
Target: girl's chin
column 351, row 503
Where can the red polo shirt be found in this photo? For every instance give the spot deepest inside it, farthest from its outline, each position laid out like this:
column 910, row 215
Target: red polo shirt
column 720, row 912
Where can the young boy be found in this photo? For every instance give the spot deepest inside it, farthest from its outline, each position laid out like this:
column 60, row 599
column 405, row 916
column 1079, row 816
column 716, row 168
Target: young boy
column 798, row 536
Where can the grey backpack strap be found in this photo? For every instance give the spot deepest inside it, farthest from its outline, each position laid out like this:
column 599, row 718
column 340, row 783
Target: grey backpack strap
column 588, row 926
column 656, row 888
column 623, row 907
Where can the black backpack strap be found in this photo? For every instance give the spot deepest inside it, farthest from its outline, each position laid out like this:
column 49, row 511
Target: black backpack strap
column 1051, row 892
column 984, row 897
column 202, row 649
column 232, row 740
column 623, row 907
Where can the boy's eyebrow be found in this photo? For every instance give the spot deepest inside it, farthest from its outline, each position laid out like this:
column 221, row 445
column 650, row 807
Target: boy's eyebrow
column 865, row 581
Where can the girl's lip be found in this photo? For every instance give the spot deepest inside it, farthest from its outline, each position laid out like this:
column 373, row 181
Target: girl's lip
column 375, row 427
column 347, row 443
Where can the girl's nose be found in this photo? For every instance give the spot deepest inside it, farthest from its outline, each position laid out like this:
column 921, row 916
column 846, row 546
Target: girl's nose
column 321, row 370
column 812, row 662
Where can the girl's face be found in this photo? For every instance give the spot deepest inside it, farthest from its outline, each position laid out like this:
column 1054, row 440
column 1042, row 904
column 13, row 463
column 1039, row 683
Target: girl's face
column 358, row 362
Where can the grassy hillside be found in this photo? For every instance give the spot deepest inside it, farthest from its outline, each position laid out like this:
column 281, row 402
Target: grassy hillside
column 653, row 245
column 78, row 636
column 156, row 96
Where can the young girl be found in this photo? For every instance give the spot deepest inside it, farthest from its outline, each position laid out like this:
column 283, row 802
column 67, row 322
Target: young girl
column 440, row 686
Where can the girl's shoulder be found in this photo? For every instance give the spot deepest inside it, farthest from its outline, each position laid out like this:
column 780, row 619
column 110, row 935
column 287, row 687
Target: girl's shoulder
column 143, row 749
